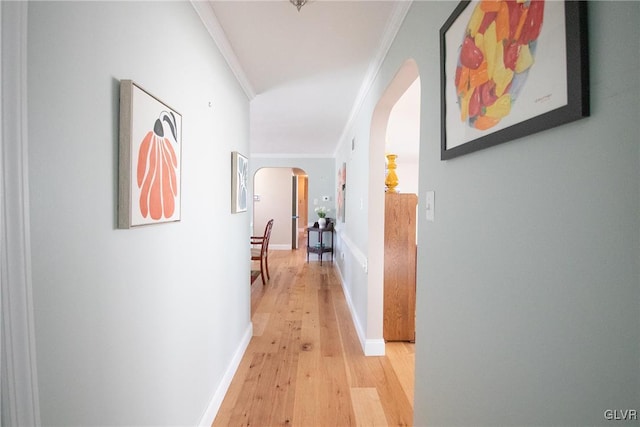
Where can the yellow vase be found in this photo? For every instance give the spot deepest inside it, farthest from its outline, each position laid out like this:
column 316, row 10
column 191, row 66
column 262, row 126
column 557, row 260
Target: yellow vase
column 392, row 179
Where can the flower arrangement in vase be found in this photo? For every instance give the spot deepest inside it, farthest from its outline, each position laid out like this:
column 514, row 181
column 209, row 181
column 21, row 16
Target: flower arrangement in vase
column 322, row 213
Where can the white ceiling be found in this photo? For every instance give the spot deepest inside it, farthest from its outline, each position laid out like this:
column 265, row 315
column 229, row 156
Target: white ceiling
column 305, row 72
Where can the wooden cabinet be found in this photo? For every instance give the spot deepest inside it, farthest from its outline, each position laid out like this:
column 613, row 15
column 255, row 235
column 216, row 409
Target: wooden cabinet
column 400, row 267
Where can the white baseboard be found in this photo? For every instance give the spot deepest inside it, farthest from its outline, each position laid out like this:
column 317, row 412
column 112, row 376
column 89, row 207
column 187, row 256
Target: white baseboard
column 370, row 347
column 374, row 347
column 212, row 409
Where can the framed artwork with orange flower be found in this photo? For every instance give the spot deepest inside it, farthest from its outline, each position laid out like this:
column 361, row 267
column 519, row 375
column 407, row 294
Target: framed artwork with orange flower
column 509, row 69
column 150, row 159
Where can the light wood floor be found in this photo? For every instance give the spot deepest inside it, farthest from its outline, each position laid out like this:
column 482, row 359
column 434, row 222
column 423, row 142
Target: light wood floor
column 304, row 365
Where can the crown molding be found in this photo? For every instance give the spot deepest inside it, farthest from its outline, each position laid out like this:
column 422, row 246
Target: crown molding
column 211, row 23
column 393, row 26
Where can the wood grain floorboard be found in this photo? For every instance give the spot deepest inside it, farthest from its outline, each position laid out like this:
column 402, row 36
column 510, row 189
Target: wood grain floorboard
column 367, row 406
column 304, row 365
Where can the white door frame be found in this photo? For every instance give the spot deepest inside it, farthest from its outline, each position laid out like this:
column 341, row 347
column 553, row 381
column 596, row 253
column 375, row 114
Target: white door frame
column 404, row 77
column 18, row 376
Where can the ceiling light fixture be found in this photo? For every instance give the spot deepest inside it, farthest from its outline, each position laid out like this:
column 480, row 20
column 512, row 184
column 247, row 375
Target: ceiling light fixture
column 298, row 3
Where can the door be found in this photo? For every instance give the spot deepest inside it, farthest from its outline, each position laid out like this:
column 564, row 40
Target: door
column 303, row 201
column 294, row 212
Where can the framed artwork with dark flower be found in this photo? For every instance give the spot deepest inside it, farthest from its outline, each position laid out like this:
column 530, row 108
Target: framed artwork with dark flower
column 150, row 140
column 239, row 182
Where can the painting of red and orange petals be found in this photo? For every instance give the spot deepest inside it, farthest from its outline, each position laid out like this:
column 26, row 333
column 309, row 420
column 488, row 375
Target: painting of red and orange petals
column 510, row 68
column 150, row 158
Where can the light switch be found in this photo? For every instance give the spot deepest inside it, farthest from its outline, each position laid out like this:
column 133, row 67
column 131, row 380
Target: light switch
column 430, row 205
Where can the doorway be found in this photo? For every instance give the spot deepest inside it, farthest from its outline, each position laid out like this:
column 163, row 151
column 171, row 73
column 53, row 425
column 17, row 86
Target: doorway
column 299, row 206
column 400, row 235
column 396, row 119
column 280, row 193
column 406, row 76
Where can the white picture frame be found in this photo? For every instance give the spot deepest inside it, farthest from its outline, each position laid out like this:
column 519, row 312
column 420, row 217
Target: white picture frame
column 239, row 182
column 150, row 159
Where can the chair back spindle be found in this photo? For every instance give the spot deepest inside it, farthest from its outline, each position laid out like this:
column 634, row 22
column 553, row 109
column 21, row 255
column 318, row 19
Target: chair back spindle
column 262, row 253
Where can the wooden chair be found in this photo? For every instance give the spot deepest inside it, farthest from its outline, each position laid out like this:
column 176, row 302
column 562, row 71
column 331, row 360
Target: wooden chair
column 260, row 251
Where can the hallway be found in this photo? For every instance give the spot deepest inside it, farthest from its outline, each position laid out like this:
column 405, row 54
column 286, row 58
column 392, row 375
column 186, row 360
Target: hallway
column 304, row 365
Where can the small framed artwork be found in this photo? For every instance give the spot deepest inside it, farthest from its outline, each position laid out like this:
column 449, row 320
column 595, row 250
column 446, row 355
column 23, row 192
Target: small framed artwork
column 150, row 160
column 342, row 191
column 510, row 69
column 239, row 182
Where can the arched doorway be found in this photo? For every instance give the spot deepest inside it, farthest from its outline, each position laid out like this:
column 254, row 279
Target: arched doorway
column 404, row 78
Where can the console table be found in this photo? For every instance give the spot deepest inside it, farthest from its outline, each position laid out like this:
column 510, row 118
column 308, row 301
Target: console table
column 318, row 245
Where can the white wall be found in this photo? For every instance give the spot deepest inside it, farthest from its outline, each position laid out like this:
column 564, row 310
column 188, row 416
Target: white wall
column 529, row 278
column 403, row 138
column 133, row 327
column 274, row 186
